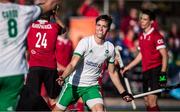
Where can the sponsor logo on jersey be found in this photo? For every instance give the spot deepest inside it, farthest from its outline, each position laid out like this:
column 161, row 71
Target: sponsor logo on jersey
column 40, row 26
column 33, row 51
column 160, row 41
column 141, row 37
column 90, row 63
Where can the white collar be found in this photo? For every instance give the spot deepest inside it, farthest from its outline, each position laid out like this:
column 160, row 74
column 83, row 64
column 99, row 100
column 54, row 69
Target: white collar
column 42, row 21
column 151, row 30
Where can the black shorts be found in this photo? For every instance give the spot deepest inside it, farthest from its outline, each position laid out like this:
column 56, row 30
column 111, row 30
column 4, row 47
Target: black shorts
column 39, row 75
column 150, row 79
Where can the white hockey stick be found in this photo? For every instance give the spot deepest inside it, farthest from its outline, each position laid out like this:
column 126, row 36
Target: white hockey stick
column 157, row 91
column 121, row 64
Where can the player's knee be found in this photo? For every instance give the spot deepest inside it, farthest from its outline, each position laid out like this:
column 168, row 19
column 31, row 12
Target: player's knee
column 59, row 108
column 152, row 101
column 97, row 108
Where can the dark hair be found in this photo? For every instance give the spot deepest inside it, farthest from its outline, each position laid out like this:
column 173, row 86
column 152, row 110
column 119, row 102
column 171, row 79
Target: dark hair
column 47, row 15
column 106, row 18
column 150, row 13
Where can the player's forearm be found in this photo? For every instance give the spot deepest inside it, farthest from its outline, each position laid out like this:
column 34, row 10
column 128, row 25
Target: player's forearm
column 116, row 81
column 135, row 61
column 68, row 71
column 60, row 67
column 164, row 62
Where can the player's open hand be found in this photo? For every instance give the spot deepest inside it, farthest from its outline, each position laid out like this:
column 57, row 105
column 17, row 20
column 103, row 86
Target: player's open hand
column 60, row 80
column 124, row 70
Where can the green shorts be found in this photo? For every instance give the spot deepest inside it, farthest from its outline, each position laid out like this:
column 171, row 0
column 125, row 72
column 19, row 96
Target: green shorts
column 10, row 88
column 91, row 95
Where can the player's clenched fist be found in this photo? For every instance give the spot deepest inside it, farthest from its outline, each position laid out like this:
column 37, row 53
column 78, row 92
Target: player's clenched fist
column 126, row 96
column 60, row 80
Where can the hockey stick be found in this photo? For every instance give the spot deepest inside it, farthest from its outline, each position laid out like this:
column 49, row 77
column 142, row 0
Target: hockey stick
column 121, row 64
column 157, row 91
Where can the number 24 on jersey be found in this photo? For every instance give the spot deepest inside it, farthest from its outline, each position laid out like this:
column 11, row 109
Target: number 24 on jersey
column 42, row 41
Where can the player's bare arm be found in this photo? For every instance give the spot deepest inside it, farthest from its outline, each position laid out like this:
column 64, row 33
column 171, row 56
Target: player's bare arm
column 60, row 67
column 115, row 78
column 163, row 52
column 70, row 68
column 116, row 81
column 133, row 63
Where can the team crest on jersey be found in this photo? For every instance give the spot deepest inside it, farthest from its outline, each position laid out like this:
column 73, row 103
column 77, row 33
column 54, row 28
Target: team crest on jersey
column 149, row 38
column 106, row 53
column 91, row 51
column 141, row 37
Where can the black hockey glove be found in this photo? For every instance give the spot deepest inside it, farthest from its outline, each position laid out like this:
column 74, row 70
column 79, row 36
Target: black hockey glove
column 162, row 79
column 126, row 96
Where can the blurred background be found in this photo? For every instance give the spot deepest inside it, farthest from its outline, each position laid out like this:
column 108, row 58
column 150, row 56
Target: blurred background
column 79, row 16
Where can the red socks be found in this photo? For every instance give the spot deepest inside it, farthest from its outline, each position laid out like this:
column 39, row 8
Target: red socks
column 153, row 109
column 80, row 106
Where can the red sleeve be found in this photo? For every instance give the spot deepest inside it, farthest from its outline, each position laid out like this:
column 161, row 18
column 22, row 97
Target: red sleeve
column 88, row 10
column 159, row 41
column 83, row 8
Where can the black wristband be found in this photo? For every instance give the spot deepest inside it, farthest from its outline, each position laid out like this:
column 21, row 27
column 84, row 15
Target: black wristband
column 125, row 93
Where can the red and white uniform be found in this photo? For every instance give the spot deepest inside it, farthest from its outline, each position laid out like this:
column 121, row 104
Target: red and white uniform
column 41, row 41
column 149, row 44
column 64, row 50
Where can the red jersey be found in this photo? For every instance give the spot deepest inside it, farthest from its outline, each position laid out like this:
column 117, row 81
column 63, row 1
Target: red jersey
column 89, row 11
column 149, row 44
column 41, row 42
column 64, row 51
